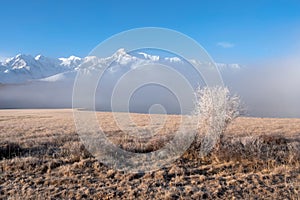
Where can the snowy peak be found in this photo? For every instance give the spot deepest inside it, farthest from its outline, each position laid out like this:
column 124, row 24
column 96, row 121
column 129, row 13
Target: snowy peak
column 228, row 67
column 120, row 52
column 149, row 57
column 72, row 61
column 19, row 61
column 122, row 57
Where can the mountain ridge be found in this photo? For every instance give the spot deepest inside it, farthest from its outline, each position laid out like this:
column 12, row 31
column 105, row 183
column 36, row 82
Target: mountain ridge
column 24, row 68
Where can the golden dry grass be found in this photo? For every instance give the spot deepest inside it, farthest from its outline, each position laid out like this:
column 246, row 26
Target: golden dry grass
column 41, row 157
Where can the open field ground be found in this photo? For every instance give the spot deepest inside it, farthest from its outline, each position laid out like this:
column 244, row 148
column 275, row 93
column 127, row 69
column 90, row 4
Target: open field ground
column 42, row 157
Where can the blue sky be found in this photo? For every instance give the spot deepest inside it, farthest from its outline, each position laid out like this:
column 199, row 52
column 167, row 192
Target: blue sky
column 240, row 31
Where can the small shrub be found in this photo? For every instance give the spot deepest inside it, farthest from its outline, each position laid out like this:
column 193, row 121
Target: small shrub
column 215, row 108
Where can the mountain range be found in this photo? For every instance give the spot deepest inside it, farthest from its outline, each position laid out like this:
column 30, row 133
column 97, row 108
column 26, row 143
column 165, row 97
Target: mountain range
column 26, row 68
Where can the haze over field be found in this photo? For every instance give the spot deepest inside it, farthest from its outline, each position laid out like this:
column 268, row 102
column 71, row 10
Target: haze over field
column 270, row 90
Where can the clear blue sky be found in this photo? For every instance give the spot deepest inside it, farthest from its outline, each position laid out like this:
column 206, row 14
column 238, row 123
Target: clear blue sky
column 237, row 31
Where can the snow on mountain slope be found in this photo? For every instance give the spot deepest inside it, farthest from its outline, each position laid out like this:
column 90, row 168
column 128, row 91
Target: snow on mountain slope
column 71, row 61
column 23, row 68
column 65, row 76
column 232, row 67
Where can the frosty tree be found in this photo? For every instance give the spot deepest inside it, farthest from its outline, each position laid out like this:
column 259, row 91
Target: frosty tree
column 215, row 108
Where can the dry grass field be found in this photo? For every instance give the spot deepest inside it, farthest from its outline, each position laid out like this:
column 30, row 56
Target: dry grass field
column 42, row 157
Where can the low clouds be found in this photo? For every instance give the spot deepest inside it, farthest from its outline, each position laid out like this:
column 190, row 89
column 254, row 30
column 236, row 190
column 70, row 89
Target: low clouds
column 225, row 45
column 269, row 89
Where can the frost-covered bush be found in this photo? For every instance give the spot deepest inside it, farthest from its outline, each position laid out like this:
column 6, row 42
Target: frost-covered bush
column 215, row 108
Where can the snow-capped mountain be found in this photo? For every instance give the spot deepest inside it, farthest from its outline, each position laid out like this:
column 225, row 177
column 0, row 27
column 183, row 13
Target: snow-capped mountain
column 24, row 68
column 42, row 82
